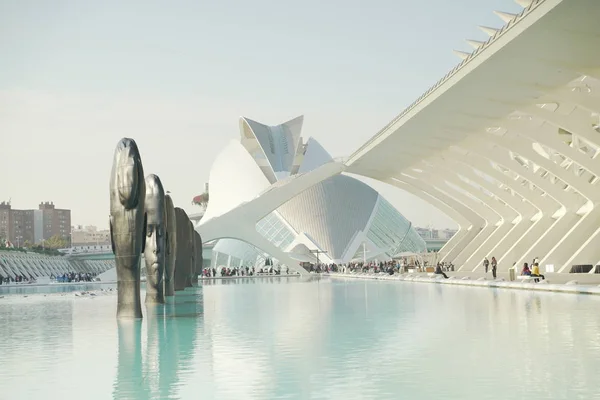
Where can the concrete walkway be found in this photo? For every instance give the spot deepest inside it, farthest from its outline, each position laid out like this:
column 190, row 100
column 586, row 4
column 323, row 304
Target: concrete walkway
column 212, row 278
column 569, row 287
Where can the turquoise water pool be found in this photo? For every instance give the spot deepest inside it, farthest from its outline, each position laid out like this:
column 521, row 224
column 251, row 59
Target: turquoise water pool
column 290, row 339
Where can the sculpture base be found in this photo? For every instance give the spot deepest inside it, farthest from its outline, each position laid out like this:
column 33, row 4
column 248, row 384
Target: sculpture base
column 169, row 288
column 154, row 297
column 129, row 304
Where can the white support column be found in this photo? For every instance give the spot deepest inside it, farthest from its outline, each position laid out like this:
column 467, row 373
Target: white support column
column 545, row 206
column 581, row 245
column 463, row 223
column 570, row 203
column 508, row 214
column 571, row 242
column 477, row 221
column 493, row 217
column 524, row 211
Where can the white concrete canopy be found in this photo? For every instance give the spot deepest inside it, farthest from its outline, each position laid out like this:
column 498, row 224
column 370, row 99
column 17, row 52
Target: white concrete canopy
column 507, row 143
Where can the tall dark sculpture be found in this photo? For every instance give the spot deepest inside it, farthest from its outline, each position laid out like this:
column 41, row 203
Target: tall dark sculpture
column 199, row 258
column 154, row 253
column 127, row 225
column 192, row 250
column 171, row 240
column 182, row 260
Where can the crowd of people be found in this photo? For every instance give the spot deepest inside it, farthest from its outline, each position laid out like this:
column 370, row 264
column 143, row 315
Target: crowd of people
column 242, row 271
column 17, row 279
column 73, row 277
column 64, row 278
column 402, row 266
column 390, row 267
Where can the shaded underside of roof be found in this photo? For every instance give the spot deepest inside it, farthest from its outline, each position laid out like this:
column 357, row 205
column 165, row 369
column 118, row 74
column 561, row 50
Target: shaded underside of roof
column 548, row 47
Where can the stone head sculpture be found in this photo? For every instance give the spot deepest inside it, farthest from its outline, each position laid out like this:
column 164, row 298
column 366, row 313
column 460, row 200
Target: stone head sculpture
column 199, row 259
column 127, row 225
column 171, row 239
column 182, row 259
column 155, row 248
column 192, row 276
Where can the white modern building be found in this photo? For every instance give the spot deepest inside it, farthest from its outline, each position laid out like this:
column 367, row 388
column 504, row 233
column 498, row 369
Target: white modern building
column 335, row 216
column 508, row 142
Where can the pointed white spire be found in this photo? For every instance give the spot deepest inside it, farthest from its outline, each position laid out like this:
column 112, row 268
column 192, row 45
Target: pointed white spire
column 488, row 30
column 504, row 16
column 462, row 54
column 524, row 3
column 475, row 43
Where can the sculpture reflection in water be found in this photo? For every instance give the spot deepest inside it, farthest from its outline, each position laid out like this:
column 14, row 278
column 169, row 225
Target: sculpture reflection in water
column 129, row 370
column 171, row 337
column 154, row 253
column 171, row 239
column 127, row 225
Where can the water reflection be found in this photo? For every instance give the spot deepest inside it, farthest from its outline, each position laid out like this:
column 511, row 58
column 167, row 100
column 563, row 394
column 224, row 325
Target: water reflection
column 54, row 288
column 130, row 383
column 318, row 339
column 151, row 364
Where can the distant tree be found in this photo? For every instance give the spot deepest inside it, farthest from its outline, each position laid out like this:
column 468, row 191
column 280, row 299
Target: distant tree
column 56, row 242
column 27, row 244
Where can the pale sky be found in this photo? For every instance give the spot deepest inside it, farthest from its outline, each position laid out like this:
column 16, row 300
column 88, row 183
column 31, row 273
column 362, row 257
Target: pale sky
column 76, row 76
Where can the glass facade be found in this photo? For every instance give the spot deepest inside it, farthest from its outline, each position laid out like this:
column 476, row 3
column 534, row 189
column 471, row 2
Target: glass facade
column 275, row 231
column 390, row 230
column 242, row 254
column 270, row 227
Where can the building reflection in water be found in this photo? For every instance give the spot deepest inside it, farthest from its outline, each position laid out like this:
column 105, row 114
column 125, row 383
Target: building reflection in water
column 289, row 338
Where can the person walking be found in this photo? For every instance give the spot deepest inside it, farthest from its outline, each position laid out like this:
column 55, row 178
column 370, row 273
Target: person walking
column 494, row 267
column 486, row 264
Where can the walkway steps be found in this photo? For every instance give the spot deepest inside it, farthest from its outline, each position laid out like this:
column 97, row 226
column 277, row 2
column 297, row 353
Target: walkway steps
column 543, row 287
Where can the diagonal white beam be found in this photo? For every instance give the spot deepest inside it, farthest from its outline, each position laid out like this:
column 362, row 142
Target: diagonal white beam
column 545, row 205
column 524, row 210
column 567, row 220
column 240, row 222
column 478, row 223
column 495, row 218
column 464, row 225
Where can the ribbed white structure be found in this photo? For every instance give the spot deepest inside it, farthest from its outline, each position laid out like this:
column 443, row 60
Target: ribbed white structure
column 507, row 143
column 331, row 212
column 32, row 265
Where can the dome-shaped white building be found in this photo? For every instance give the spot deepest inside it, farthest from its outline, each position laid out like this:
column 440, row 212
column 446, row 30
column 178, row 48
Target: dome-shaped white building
column 340, row 215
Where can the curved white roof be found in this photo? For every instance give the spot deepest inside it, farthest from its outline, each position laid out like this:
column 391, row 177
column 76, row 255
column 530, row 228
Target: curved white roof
column 331, row 212
column 234, row 179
